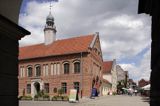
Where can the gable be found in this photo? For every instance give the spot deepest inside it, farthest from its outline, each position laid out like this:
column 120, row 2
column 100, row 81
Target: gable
column 96, row 47
column 107, row 67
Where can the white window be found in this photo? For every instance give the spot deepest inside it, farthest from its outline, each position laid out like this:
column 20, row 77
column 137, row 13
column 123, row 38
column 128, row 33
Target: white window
column 55, row 69
column 52, row 69
column 45, row 70
column 58, row 68
column 22, row 72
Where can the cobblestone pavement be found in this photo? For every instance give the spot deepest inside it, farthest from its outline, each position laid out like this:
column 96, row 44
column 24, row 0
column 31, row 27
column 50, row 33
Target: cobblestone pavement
column 117, row 101
column 99, row 101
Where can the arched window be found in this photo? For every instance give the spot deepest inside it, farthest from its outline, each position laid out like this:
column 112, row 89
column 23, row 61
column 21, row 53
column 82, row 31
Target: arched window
column 66, row 68
column 77, row 67
column 38, row 71
column 29, row 71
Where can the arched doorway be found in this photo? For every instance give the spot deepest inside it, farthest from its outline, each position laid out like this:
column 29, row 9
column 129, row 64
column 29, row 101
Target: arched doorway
column 36, row 87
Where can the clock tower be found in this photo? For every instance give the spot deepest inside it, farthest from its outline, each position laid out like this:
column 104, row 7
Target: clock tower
column 49, row 30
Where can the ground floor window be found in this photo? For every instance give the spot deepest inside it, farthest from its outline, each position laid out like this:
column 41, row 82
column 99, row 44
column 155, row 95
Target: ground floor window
column 46, row 87
column 28, row 88
column 76, row 86
column 64, row 87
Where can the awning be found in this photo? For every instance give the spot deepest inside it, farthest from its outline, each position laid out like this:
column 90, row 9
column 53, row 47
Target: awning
column 147, row 87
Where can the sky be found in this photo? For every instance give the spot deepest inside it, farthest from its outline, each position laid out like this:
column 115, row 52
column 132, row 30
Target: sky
column 124, row 34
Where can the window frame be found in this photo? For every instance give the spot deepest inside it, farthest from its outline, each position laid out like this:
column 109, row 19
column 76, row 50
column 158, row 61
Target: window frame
column 64, row 87
column 77, row 68
column 46, row 87
column 66, row 67
column 38, row 72
column 29, row 72
column 28, row 88
column 76, row 86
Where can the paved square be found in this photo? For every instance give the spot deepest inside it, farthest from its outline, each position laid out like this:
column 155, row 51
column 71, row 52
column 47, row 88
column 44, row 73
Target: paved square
column 100, row 101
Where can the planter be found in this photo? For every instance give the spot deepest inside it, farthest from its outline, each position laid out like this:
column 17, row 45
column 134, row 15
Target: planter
column 65, row 98
column 59, row 98
column 35, row 99
column 54, row 98
column 27, row 98
column 46, row 99
column 40, row 98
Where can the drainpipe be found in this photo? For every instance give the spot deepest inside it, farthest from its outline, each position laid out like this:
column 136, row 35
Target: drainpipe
column 81, row 75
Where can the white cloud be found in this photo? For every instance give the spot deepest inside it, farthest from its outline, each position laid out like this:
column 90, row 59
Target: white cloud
column 123, row 32
column 140, row 71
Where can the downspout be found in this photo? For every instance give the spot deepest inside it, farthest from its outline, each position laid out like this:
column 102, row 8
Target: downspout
column 81, row 75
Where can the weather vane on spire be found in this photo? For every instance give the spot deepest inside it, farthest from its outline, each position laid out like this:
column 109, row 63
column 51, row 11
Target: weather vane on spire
column 50, row 7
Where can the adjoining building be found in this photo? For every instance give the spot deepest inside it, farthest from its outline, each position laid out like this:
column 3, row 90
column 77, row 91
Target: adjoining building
column 143, row 82
column 110, row 75
column 121, row 74
column 113, row 74
column 60, row 64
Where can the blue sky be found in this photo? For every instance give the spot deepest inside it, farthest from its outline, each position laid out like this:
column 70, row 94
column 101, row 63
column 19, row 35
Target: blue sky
column 124, row 34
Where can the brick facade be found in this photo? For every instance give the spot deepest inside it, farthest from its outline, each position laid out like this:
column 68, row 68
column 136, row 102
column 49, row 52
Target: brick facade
column 143, row 83
column 90, row 68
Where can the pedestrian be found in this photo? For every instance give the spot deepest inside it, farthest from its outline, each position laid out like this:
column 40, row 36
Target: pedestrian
column 135, row 91
column 130, row 91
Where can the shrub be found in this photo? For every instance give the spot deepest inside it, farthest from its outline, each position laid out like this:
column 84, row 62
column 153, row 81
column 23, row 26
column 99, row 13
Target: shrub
column 45, row 96
column 25, row 98
column 40, row 93
column 36, row 96
column 60, row 91
column 59, row 98
column 65, row 98
column 114, row 93
column 54, row 98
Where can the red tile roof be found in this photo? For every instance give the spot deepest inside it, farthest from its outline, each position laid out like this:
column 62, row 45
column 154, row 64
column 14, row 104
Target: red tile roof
column 107, row 66
column 59, row 47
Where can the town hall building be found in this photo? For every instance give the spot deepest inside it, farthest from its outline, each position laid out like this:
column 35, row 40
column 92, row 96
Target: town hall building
column 72, row 63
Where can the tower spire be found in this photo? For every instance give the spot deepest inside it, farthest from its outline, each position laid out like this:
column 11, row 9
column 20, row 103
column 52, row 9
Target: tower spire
column 50, row 29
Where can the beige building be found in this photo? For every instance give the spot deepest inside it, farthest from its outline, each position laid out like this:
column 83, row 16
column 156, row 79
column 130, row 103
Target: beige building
column 110, row 74
column 121, row 74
